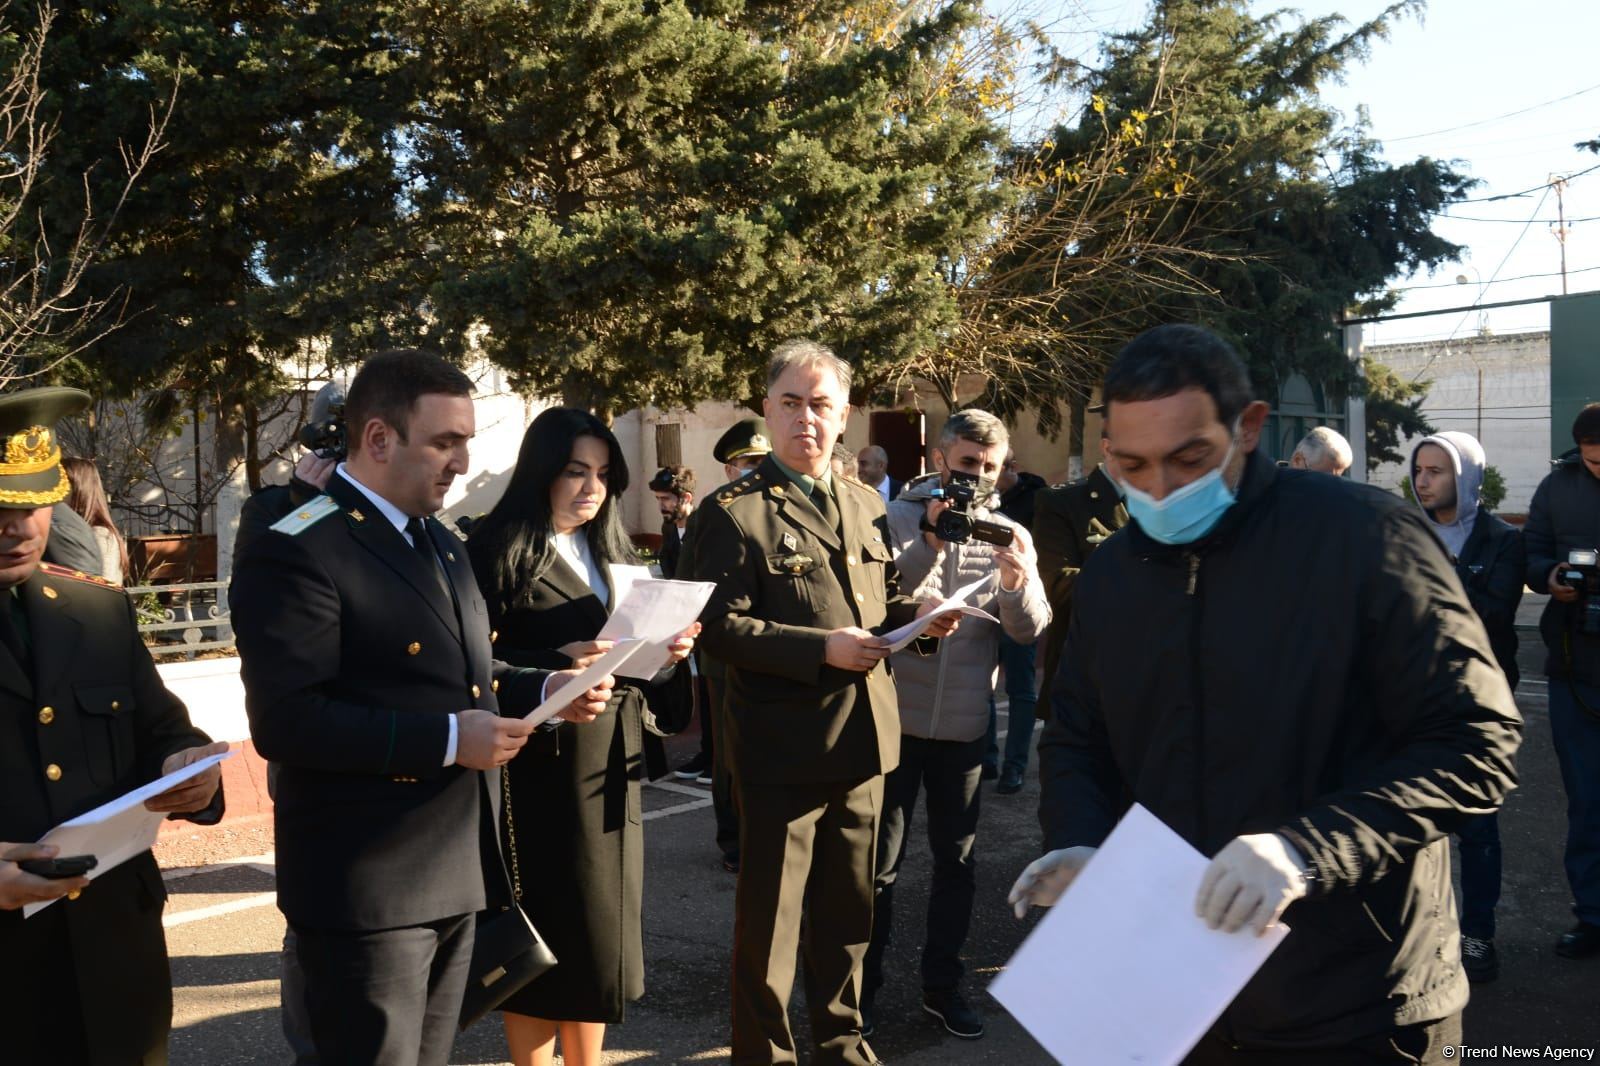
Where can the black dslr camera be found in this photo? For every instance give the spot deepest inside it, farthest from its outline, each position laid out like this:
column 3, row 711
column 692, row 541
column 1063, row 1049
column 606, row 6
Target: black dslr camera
column 1582, row 573
column 956, row 525
column 325, row 436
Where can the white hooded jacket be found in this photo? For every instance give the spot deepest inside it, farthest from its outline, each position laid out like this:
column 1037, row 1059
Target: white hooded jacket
column 1466, row 455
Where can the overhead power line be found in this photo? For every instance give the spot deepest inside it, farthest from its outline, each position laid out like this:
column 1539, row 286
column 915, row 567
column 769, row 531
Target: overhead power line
column 1532, row 189
column 1495, row 118
column 1520, row 221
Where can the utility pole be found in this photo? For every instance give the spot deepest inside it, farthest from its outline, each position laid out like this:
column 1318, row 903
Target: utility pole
column 1559, row 184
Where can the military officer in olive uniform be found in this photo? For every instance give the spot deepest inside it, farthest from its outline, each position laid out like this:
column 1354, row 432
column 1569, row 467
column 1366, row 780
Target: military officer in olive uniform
column 740, row 449
column 87, row 719
column 368, row 676
column 805, row 582
column 1069, row 522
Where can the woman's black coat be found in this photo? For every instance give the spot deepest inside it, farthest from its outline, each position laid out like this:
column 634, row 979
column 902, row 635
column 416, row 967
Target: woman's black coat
column 575, row 807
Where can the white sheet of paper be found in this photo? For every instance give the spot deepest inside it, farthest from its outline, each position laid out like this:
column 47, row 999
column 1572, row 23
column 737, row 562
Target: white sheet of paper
column 956, row 601
column 623, row 577
column 653, row 611
column 117, row 831
column 1121, row 970
column 608, row 663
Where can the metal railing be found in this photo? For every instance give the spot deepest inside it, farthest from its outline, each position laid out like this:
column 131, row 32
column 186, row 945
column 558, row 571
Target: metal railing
column 187, row 610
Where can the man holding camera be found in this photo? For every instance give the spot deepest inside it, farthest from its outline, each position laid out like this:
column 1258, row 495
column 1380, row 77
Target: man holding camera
column 1446, row 479
column 1561, row 536
column 946, row 534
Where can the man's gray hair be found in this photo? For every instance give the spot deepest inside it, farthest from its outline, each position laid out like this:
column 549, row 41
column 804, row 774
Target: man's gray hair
column 980, row 427
column 1323, row 446
column 802, row 352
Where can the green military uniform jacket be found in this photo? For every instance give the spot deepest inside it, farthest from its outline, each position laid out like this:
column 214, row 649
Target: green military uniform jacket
column 1069, row 523
column 785, row 580
column 90, row 722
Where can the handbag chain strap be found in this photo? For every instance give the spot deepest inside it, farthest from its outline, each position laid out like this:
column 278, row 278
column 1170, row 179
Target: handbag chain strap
column 511, row 833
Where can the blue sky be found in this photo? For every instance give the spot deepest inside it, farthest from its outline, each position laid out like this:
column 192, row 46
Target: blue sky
column 1446, row 86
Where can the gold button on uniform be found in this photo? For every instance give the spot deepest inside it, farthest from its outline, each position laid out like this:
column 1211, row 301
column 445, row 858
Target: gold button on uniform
column 860, row 598
column 116, row 705
column 49, row 593
column 851, row 560
column 47, row 715
column 476, row 692
column 53, row 772
column 413, row 648
column 75, row 893
column 494, row 635
column 494, row 686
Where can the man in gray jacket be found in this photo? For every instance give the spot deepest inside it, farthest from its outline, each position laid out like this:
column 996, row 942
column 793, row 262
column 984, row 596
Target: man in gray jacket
column 944, row 704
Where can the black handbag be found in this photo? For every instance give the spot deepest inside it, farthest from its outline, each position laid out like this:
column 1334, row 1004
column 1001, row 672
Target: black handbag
column 507, row 951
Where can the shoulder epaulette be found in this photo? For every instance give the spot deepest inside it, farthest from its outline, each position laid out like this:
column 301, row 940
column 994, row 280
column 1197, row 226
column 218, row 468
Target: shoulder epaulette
column 76, row 575
column 743, row 487
column 856, row 483
column 303, row 518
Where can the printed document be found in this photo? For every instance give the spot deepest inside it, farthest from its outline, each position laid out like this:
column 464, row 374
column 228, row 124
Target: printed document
column 956, row 601
column 609, row 663
column 117, row 831
column 1121, row 970
column 653, row 611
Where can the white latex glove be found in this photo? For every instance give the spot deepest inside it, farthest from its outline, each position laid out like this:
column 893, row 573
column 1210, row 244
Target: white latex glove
column 1251, row 883
column 1046, row 877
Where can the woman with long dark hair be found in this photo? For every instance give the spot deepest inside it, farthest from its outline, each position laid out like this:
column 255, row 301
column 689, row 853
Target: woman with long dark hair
column 87, row 496
column 542, row 556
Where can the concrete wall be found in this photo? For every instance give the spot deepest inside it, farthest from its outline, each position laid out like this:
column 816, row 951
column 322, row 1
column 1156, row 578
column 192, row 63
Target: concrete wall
column 1509, row 413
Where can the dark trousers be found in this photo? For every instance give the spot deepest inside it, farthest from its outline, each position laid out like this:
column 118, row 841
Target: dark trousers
column 708, row 722
column 1023, row 699
column 1480, row 875
column 1418, row 1044
column 390, row 997
column 292, row 1001
column 949, row 772
column 724, row 797
column 803, row 847
column 1576, row 733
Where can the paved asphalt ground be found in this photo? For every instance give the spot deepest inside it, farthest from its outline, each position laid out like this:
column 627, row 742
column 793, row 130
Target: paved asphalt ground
column 224, row 935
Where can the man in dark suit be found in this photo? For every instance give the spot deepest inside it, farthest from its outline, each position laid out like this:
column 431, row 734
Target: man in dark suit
column 873, row 464
column 673, row 488
column 1069, row 522
column 368, row 677
column 805, row 577
column 86, row 719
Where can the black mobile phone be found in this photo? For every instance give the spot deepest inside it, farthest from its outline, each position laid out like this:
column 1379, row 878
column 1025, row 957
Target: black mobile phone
column 61, row 866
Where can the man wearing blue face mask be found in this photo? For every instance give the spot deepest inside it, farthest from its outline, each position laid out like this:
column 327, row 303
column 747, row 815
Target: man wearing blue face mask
column 1284, row 668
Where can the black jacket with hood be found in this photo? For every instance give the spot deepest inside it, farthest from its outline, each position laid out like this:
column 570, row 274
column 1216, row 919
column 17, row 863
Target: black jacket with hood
column 1313, row 668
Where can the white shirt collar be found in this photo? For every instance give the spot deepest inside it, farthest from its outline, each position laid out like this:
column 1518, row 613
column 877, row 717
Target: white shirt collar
column 396, row 517
column 883, row 489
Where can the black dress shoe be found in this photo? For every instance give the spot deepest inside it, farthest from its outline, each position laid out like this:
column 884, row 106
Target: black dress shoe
column 959, row 1019
column 869, row 1018
column 1579, row 942
column 730, row 863
column 1010, row 783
